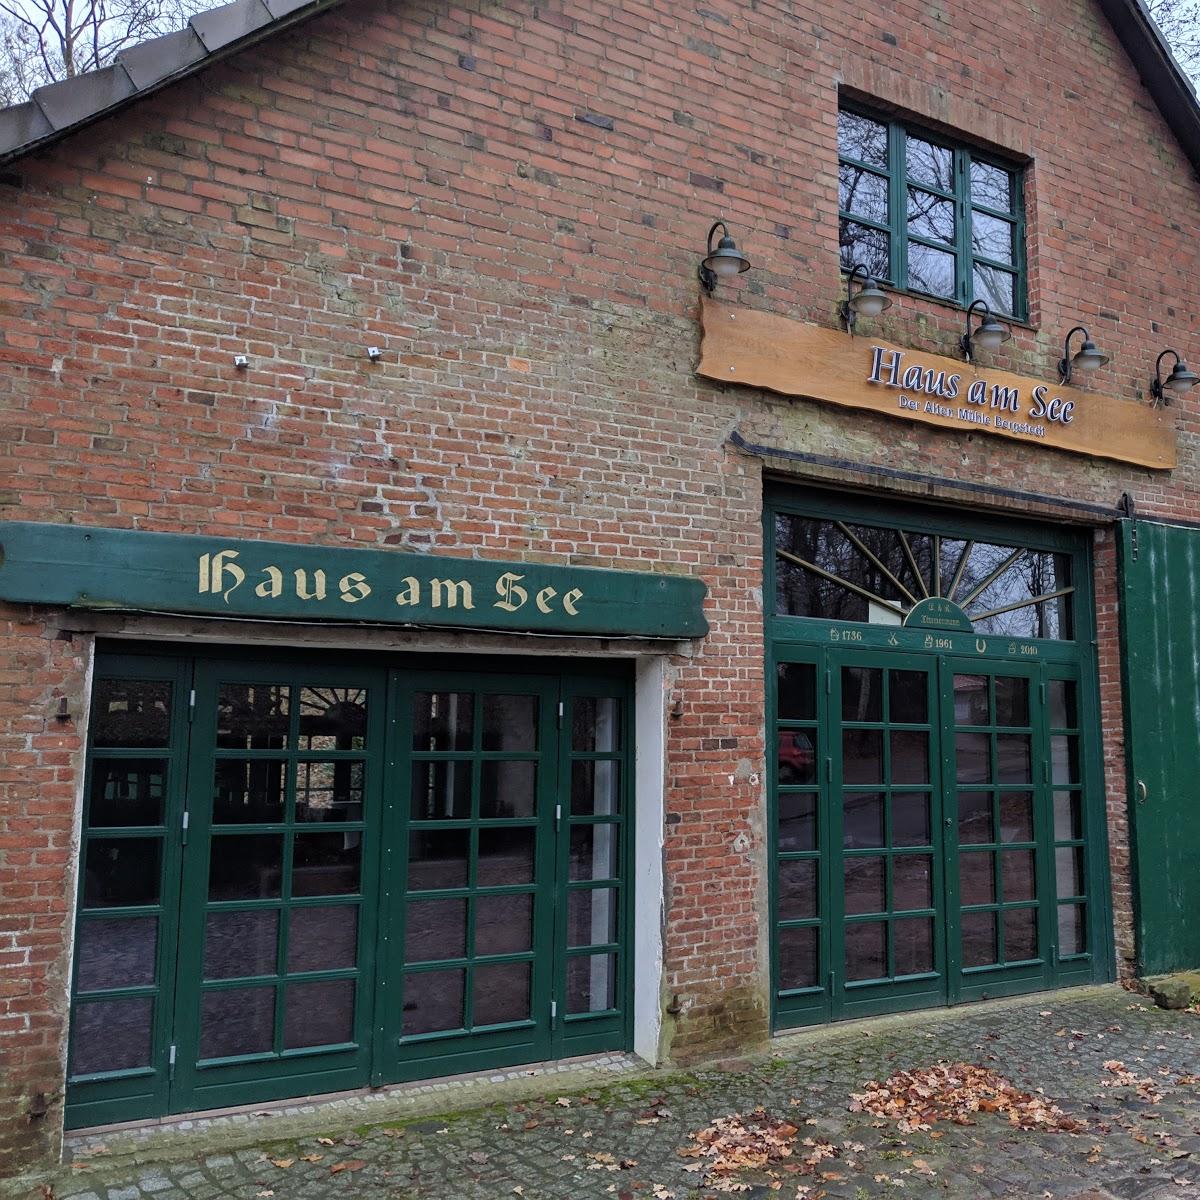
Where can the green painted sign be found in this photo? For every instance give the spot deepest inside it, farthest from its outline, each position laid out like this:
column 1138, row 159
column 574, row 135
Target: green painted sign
column 938, row 613
column 97, row 568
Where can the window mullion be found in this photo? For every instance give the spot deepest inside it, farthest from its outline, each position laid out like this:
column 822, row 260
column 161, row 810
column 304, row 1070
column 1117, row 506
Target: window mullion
column 898, row 204
column 962, row 180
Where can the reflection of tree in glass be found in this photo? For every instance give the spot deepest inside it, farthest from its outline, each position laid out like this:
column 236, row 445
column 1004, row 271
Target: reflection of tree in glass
column 898, row 569
column 930, row 216
column 858, row 244
column 930, row 164
column 862, row 138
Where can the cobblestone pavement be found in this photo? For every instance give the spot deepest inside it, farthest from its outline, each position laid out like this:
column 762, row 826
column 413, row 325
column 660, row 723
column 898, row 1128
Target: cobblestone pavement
column 621, row 1142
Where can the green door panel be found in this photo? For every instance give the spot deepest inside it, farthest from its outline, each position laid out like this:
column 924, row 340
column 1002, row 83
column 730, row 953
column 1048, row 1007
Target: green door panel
column 277, row 936
column 1160, row 635
column 127, row 909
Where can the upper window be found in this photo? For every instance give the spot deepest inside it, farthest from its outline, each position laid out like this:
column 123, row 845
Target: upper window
column 925, row 214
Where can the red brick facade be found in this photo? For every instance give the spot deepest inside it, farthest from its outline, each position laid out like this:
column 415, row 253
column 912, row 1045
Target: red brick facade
column 511, row 201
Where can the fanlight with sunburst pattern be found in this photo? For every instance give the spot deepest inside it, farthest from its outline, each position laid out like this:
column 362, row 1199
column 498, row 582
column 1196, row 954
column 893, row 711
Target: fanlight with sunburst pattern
column 851, row 572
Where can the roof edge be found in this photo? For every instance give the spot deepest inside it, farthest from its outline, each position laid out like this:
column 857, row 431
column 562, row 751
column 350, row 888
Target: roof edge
column 59, row 109
column 1162, row 76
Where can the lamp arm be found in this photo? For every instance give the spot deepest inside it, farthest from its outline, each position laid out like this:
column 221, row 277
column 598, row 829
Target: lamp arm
column 715, row 226
column 1064, row 363
column 964, row 342
column 1158, row 364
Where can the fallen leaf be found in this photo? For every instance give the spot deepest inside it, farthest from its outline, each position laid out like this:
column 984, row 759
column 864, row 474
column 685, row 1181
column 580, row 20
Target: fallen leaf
column 351, row 1164
column 563, row 1102
column 282, row 1163
column 325, row 1141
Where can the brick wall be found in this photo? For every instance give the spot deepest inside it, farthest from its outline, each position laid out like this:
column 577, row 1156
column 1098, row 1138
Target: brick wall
column 41, row 763
column 511, row 201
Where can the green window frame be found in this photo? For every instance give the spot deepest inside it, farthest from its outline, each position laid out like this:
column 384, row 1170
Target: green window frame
column 930, row 215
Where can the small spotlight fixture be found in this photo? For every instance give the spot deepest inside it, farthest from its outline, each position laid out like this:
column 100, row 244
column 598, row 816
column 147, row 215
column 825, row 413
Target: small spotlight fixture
column 1087, row 357
column 374, row 353
column 241, row 361
column 723, row 262
column 1179, row 381
column 989, row 334
column 869, row 301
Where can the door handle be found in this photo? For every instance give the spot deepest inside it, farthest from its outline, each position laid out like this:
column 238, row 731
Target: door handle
column 1141, row 791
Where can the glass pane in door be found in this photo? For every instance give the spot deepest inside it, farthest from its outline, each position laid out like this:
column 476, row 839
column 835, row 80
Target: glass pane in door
column 998, row 861
column 477, row 762
column 124, row 856
column 284, row 874
column 885, row 810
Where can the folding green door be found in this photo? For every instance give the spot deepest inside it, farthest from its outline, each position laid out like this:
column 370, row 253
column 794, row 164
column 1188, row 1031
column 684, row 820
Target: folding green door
column 304, row 875
column 937, row 807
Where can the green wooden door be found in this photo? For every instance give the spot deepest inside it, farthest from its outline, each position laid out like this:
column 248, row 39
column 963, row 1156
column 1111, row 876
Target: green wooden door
column 126, row 932
column 509, row 900
column 930, row 830
column 1160, row 634
column 886, row 833
column 277, row 928
column 304, row 875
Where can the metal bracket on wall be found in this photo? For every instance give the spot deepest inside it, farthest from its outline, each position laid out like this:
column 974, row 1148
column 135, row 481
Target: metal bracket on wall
column 1128, row 510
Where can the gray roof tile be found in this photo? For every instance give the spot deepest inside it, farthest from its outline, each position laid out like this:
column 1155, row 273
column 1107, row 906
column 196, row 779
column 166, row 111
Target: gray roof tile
column 20, row 124
column 230, row 23
column 72, row 100
column 149, row 62
column 57, row 109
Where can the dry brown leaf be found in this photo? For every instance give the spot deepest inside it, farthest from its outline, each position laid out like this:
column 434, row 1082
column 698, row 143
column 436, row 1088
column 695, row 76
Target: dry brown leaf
column 351, row 1164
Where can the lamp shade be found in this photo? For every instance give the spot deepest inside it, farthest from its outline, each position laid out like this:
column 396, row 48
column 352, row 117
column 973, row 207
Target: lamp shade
column 1180, row 379
column 990, row 334
column 1088, row 358
column 727, row 260
column 870, row 301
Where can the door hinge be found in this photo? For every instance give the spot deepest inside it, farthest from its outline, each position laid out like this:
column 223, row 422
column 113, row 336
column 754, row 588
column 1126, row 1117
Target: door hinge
column 553, row 1013
column 171, row 1064
column 192, row 705
column 183, row 826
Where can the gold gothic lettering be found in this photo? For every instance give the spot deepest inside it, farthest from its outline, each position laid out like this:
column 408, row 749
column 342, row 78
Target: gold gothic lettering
column 410, row 593
column 219, row 575
column 354, row 587
column 451, row 591
column 213, row 569
column 272, row 585
column 511, row 595
column 302, row 589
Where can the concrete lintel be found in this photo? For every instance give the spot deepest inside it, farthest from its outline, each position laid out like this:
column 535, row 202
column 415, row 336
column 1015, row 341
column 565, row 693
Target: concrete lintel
column 163, row 628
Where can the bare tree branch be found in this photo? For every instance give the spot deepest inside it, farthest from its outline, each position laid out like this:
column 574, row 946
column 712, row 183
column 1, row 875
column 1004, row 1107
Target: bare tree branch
column 1179, row 21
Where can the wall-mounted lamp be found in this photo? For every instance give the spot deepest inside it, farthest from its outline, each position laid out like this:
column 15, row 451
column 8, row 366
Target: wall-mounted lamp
column 1179, row 381
column 723, row 262
column 989, row 334
column 1087, row 357
column 869, row 301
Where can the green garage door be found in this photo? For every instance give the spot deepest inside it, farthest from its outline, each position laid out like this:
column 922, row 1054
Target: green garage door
column 937, row 807
column 302, row 876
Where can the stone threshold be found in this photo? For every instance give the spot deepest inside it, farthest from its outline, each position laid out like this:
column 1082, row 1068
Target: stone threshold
column 186, row 1134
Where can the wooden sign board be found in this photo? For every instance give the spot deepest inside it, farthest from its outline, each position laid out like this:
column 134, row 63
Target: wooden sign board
column 796, row 359
column 91, row 567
